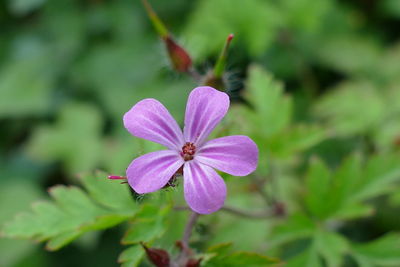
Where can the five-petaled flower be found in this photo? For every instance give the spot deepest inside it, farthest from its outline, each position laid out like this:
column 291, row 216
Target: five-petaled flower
column 204, row 189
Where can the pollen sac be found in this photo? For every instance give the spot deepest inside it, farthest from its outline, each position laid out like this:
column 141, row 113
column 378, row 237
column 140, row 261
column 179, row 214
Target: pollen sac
column 188, row 150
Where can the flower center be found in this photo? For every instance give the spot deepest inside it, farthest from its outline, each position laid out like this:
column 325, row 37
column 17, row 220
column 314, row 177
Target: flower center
column 188, row 151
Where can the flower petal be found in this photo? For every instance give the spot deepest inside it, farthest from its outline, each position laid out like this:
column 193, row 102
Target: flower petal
column 152, row 171
column 205, row 190
column 236, row 155
column 205, row 108
column 150, row 120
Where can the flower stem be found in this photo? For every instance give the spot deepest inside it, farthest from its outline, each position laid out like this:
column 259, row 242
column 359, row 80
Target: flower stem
column 186, row 252
column 189, row 228
column 157, row 23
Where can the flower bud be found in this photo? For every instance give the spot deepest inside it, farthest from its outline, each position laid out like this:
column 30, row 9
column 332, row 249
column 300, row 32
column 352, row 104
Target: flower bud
column 158, row 257
column 180, row 59
column 193, row 263
column 215, row 78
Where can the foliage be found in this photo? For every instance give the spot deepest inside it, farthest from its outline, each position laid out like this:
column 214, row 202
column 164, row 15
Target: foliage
column 315, row 83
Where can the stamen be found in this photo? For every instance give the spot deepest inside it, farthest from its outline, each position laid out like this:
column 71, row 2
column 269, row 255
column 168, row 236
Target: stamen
column 188, row 150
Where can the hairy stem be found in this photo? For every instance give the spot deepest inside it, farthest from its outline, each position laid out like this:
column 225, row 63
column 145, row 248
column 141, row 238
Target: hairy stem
column 189, row 228
column 186, row 252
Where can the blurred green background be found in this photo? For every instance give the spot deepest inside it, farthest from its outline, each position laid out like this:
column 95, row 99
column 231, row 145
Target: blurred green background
column 70, row 69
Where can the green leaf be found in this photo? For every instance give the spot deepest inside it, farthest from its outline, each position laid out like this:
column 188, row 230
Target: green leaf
column 341, row 194
column 213, row 20
column 74, row 139
column 295, row 227
column 273, row 108
column 295, row 139
column 305, row 16
column 71, row 213
column 109, row 193
column 268, row 119
column 350, row 54
column 26, row 82
column 12, row 189
column 378, row 176
column 331, row 246
column 222, row 248
column 221, row 255
column 380, row 252
column 309, row 257
column 341, row 108
column 132, row 256
column 318, row 183
column 150, row 223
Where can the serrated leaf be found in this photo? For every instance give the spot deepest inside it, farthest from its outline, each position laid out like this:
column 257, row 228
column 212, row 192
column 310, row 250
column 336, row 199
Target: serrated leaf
column 341, row 108
column 223, row 257
column 149, row 224
column 308, row 257
column 384, row 251
column 71, row 213
column 248, row 259
column 26, row 83
column 109, row 193
column 297, row 226
column 318, row 182
column 350, row 54
column 331, row 247
column 132, row 256
column 268, row 119
column 294, row 139
column 341, row 194
column 379, row 173
column 25, row 191
column 273, row 107
column 74, row 139
column 304, row 16
column 222, row 248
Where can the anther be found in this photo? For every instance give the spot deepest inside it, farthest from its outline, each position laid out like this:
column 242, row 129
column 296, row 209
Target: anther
column 188, row 150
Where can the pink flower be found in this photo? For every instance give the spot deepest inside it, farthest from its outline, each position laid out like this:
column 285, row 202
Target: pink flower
column 205, row 190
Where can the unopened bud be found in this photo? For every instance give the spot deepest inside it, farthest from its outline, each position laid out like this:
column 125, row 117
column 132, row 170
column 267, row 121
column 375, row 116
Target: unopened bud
column 193, row 263
column 215, row 77
column 180, row 59
column 221, row 62
column 158, row 257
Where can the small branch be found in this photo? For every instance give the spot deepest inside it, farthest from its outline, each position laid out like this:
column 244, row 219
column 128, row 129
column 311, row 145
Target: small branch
column 260, row 190
column 189, row 228
column 238, row 212
column 186, row 252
